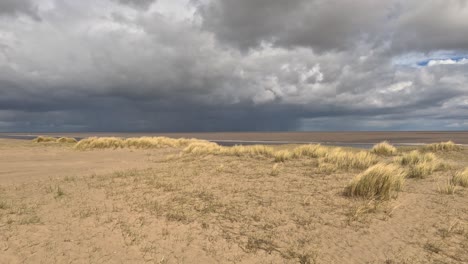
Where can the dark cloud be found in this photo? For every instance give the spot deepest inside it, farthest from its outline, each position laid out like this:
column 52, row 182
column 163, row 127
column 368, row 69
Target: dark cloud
column 137, row 3
column 14, row 7
column 232, row 65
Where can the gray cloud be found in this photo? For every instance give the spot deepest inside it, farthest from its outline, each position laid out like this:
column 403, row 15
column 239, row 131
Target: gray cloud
column 232, row 65
column 137, row 3
column 14, row 7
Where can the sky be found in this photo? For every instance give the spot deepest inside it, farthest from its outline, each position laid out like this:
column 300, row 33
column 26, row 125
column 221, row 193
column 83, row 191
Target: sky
column 224, row 65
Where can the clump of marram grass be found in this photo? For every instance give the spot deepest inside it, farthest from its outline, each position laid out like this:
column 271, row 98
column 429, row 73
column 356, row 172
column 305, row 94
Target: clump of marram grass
column 384, row 149
column 139, row 143
column 448, row 188
column 250, row 151
column 309, row 151
column 415, row 157
column 381, row 181
column 44, row 139
column 203, row 148
column 67, row 140
column 99, row 143
column 461, row 178
column 282, row 155
column 210, row 148
column 419, row 165
column 350, row 160
column 442, row 146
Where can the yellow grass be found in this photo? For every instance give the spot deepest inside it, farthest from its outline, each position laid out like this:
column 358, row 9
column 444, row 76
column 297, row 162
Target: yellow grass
column 310, row 151
column 46, row 139
column 442, row 146
column 66, row 140
column 350, row 160
column 380, row 181
column 419, row 165
column 448, row 188
column 140, row 143
column 416, row 157
column 282, row 155
column 384, row 149
column 461, row 178
column 43, row 139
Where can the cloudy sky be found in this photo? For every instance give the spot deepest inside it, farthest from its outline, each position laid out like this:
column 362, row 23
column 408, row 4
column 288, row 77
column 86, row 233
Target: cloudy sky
column 224, row 65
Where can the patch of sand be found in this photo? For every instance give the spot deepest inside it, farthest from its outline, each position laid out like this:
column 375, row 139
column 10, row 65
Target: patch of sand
column 58, row 205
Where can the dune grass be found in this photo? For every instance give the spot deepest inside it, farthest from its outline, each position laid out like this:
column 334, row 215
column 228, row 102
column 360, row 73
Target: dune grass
column 419, row 165
column 448, row 188
column 350, row 160
column 380, row 181
column 139, row 143
column 461, row 178
column 310, row 151
column 442, row 146
column 384, row 149
column 67, row 140
column 46, row 139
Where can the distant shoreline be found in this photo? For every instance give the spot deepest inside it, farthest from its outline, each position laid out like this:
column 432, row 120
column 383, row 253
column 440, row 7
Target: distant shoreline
column 351, row 139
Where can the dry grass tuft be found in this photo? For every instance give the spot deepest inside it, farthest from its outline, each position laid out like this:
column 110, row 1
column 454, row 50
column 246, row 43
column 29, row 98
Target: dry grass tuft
column 209, row 148
column 384, row 149
column 350, row 160
column 448, row 188
column 202, row 148
column 44, row 139
column 310, row 151
column 250, row 151
column 461, row 178
column 419, row 165
column 442, row 146
column 140, row 143
column 380, row 181
column 282, row 155
column 67, row 140
column 99, row 143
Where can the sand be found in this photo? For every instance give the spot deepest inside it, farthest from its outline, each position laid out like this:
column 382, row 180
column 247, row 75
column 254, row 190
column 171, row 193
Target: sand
column 59, row 205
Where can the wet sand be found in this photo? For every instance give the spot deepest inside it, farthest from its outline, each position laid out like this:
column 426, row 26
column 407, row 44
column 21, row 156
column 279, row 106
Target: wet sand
column 410, row 137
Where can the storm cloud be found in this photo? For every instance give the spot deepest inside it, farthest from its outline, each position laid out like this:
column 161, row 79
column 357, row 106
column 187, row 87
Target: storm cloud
column 206, row 65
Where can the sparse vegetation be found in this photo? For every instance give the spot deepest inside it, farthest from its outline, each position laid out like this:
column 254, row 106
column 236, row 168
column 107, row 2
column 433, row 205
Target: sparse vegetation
column 263, row 203
column 44, row 139
column 461, row 178
column 384, row 149
column 62, row 140
column 442, row 146
column 448, row 188
column 419, row 165
column 350, row 160
column 380, row 181
column 67, row 140
column 139, row 143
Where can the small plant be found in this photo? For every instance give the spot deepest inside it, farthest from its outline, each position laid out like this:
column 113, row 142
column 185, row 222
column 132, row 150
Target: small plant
column 350, row 160
column 380, row 181
column 442, row 146
column 44, row 139
column 448, row 188
column 275, row 170
column 419, row 165
column 67, row 140
column 309, row 151
column 3, row 205
column 461, row 178
column 59, row 192
column 384, row 149
column 282, row 155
